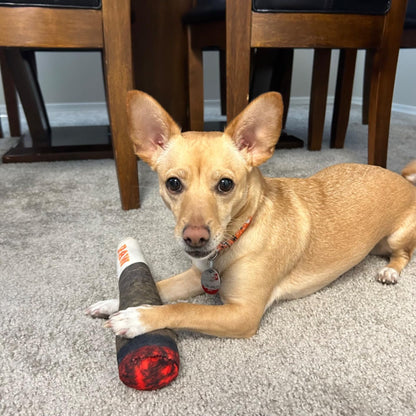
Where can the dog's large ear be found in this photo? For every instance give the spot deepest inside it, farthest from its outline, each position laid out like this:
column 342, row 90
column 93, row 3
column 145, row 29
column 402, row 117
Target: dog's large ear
column 257, row 128
column 150, row 126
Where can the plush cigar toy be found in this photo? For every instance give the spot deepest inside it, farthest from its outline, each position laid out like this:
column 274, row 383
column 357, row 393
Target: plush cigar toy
column 149, row 361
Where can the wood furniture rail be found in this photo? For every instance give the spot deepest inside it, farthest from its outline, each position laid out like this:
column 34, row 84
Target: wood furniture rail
column 106, row 29
column 346, row 71
column 247, row 29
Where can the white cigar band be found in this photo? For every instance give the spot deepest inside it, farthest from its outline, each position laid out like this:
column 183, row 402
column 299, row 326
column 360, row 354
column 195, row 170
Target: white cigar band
column 128, row 253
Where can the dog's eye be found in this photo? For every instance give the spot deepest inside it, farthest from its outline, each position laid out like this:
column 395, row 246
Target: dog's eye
column 225, row 185
column 174, row 185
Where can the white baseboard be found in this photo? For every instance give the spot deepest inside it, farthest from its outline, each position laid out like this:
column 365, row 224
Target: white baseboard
column 399, row 108
column 65, row 108
column 211, row 109
column 69, row 107
column 406, row 109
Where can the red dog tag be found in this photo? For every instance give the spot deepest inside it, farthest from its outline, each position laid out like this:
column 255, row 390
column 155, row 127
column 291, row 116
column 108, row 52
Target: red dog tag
column 210, row 281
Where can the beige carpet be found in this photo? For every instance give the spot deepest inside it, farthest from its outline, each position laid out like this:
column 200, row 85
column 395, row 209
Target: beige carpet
column 349, row 349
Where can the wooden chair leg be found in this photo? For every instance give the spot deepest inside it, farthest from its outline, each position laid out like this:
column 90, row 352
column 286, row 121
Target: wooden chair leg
column 383, row 75
column 282, row 78
column 272, row 71
column 25, row 80
column 366, row 85
column 381, row 96
column 119, row 80
column 223, row 82
column 238, row 52
column 10, row 97
column 2, row 67
column 319, row 92
column 262, row 70
column 343, row 94
column 196, row 84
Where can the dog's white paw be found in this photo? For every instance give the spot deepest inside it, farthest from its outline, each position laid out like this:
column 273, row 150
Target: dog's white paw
column 388, row 275
column 128, row 323
column 103, row 309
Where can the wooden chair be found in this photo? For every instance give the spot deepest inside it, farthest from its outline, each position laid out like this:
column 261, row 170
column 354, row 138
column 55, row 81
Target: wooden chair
column 10, row 97
column 322, row 26
column 271, row 69
column 345, row 79
column 102, row 25
column 205, row 26
column 408, row 41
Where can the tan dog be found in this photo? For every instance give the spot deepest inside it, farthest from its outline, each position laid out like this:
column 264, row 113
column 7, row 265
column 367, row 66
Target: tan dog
column 303, row 234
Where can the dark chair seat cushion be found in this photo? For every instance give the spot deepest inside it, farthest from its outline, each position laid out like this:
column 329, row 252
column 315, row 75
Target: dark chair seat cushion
column 410, row 21
column 76, row 4
column 323, row 6
column 205, row 11
column 213, row 10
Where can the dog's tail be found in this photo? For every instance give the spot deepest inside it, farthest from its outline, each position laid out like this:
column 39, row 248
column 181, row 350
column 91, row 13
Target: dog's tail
column 409, row 172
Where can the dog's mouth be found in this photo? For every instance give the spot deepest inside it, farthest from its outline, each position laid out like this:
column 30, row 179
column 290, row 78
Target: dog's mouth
column 198, row 254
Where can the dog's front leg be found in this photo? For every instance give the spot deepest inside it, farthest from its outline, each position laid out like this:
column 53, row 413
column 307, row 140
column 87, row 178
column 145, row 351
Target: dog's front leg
column 229, row 320
column 180, row 287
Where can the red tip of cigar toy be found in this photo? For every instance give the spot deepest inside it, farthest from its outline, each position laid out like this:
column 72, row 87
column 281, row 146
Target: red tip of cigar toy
column 149, row 366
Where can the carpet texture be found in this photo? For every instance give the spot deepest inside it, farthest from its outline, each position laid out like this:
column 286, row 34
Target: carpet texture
column 349, row 349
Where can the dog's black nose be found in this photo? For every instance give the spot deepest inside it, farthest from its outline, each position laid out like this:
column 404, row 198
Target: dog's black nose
column 196, row 236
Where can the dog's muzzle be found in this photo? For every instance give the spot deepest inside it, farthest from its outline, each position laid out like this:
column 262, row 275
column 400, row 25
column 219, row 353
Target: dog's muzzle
column 196, row 239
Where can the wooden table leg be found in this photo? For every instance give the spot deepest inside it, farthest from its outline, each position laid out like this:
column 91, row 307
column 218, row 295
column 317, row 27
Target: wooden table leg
column 119, row 80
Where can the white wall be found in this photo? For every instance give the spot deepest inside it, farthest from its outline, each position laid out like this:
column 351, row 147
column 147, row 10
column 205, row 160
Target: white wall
column 69, row 77
column 72, row 77
column 404, row 90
